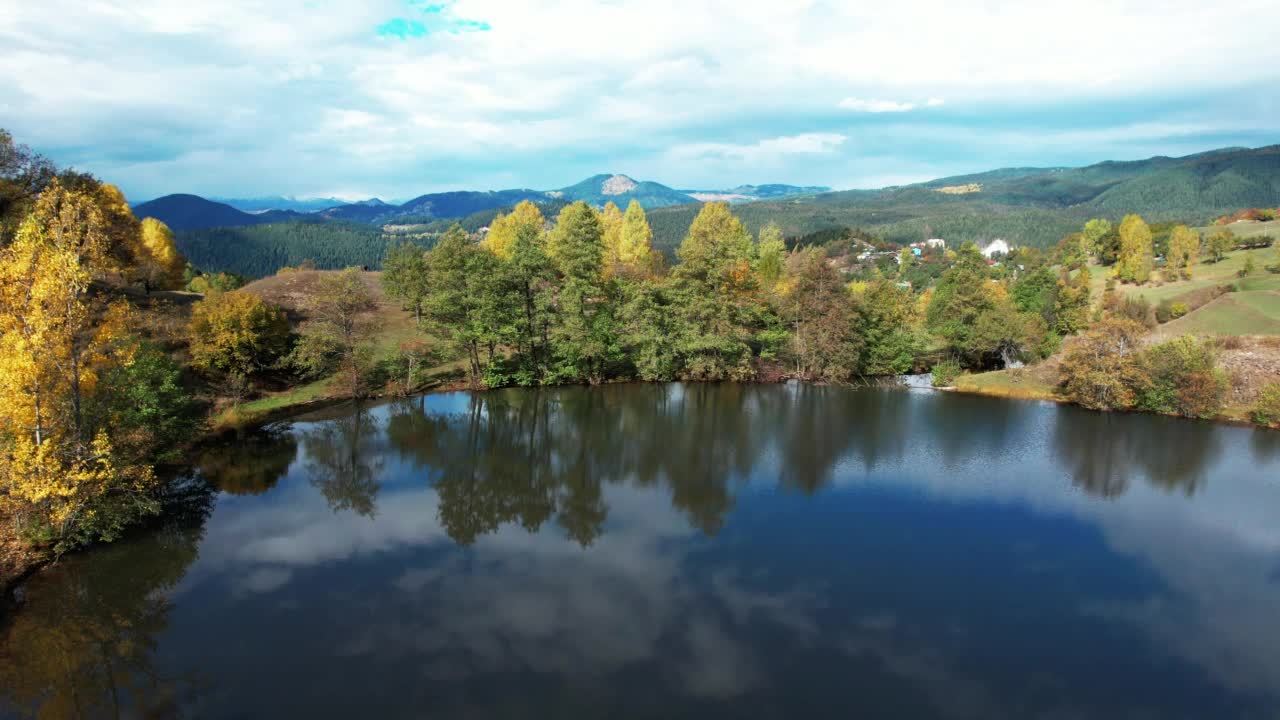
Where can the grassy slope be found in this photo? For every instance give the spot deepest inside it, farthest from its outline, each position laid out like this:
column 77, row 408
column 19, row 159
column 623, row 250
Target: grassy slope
column 1252, row 313
column 393, row 325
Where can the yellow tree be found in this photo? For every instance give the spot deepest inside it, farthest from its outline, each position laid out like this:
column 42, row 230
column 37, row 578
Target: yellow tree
column 611, row 229
column 158, row 262
column 1184, row 249
column 56, row 471
column 1137, row 256
column 771, row 255
column 635, row 249
column 504, row 229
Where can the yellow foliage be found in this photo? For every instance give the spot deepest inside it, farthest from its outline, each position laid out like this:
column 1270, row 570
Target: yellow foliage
column 159, row 262
column 505, row 228
column 611, row 233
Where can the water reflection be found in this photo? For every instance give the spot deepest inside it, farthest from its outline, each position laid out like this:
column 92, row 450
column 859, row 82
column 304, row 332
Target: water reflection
column 83, row 645
column 1105, row 452
column 249, row 463
column 694, row 551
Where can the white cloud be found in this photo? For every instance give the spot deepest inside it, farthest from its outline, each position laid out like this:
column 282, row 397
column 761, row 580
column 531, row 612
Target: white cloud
column 255, row 86
column 876, row 106
column 764, row 150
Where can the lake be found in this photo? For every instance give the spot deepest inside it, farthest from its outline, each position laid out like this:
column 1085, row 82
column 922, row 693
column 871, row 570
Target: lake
column 683, row 551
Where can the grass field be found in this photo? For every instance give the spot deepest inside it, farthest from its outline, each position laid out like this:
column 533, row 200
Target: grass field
column 391, row 325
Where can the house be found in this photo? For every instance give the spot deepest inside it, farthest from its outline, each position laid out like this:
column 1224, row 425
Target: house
column 936, row 243
column 995, row 247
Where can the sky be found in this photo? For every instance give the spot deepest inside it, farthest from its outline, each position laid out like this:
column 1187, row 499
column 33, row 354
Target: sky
column 394, row 98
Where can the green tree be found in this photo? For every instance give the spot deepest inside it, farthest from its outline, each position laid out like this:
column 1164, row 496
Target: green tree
column 888, row 326
column 1181, row 377
column 1091, row 238
column 973, row 315
column 404, row 276
column 714, row 293
column 583, row 339
column 451, row 307
column 1137, row 256
column 1221, row 243
column 335, row 336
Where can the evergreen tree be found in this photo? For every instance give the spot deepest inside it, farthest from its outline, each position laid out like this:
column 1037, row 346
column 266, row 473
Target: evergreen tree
column 451, row 308
column 404, row 276
column 583, row 339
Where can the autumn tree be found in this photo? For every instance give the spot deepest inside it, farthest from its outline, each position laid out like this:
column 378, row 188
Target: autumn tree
column 1184, row 251
column 1221, row 243
column 1137, row 257
column 1092, row 236
column 611, row 234
column 713, row 292
column 636, row 255
column 157, row 262
column 237, row 334
column 1100, row 370
column 975, row 317
column 822, row 317
column 60, row 473
column 888, row 325
column 771, row 255
column 1071, row 303
column 504, row 228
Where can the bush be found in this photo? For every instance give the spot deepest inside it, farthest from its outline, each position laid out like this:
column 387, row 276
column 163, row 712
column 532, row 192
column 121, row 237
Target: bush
column 945, row 373
column 1100, row 370
column 1267, row 411
column 1136, row 309
column 1181, row 377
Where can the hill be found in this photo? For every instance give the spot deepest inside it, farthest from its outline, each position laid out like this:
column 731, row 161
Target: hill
column 621, row 190
column 1031, row 206
column 190, row 212
column 277, row 202
column 261, row 250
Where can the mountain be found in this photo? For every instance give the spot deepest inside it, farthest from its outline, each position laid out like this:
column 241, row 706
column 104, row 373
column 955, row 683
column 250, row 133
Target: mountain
column 1026, row 205
column 192, row 212
column 263, row 204
column 751, row 193
column 621, row 190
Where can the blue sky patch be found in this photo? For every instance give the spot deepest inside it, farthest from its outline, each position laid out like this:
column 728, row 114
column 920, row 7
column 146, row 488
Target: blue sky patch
column 437, row 18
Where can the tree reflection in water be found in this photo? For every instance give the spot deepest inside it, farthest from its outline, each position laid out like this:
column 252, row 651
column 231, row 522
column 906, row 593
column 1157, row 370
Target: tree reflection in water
column 1104, row 452
column 83, row 644
column 344, row 459
column 252, row 463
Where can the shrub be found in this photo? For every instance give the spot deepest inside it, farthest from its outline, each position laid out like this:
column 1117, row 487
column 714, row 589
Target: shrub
column 1181, row 377
column 1137, row 309
column 1100, row 370
column 945, row 373
column 1267, row 411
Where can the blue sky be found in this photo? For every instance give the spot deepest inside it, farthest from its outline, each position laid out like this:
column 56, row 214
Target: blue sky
column 394, row 98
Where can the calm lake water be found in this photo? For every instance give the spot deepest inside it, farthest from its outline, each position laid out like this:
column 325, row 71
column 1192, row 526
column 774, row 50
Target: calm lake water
column 684, row 552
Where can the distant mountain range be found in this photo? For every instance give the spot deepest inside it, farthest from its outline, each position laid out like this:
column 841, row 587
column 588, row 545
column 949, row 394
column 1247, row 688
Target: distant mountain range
column 1027, row 205
column 192, row 212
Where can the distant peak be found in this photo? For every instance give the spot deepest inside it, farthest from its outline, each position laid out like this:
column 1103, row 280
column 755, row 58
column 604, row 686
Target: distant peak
column 617, row 185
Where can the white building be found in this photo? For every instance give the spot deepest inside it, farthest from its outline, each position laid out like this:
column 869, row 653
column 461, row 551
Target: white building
column 995, row 247
column 938, row 243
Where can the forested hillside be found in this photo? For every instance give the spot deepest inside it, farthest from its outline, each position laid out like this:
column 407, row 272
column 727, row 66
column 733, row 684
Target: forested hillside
column 260, row 250
column 1030, row 206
